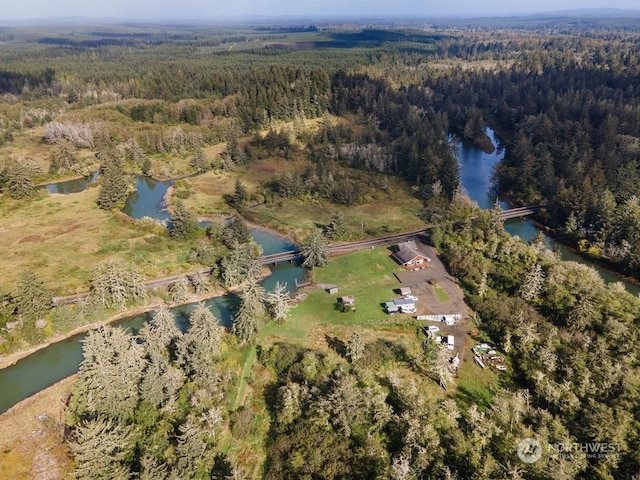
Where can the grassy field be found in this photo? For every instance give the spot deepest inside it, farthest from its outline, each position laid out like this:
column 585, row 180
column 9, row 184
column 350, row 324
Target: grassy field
column 317, row 323
column 394, row 211
column 31, row 448
column 367, row 276
column 476, row 385
column 62, row 237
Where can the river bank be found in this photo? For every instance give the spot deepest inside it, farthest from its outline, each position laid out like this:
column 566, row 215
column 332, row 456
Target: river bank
column 600, row 264
column 476, row 173
column 31, row 445
column 12, row 358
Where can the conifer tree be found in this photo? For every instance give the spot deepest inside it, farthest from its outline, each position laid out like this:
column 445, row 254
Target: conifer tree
column 103, row 449
column 17, row 179
column 110, row 373
column 314, row 250
column 240, row 197
column 179, row 290
column 251, row 313
column 161, row 381
column 277, row 302
column 533, row 282
column 199, row 162
column 114, row 186
column 236, row 232
column 240, row 265
column 200, row 346
column 182, row 224
column 355, row 347
column 31, row 299
column 440, row 366
column 64, row 160
column 115, row 284
column 199, row 282
column 161, row 333
column 335, row 229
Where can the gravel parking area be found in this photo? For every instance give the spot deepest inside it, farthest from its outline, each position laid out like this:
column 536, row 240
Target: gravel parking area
column 439, row 293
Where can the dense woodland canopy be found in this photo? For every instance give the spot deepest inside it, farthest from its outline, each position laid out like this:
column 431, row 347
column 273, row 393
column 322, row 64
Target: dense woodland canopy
column 564, row 99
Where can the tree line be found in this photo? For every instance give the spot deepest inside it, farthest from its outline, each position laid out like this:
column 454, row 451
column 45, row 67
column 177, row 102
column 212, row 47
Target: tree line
column 572, row 339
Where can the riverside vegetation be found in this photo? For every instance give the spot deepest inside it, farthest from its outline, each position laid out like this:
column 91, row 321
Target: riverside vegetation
column 300, row 128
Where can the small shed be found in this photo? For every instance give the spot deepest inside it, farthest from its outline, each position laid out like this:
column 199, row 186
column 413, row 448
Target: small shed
column 347, row 300
column 331, row 289
column 405, row 303
column 404, row 291
column 391, row 307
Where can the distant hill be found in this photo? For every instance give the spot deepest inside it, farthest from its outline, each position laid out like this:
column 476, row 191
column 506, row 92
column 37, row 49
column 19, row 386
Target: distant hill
column 593, row 12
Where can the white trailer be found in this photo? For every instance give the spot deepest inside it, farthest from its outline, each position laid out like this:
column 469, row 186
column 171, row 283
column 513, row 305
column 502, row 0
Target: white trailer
column 450, row 342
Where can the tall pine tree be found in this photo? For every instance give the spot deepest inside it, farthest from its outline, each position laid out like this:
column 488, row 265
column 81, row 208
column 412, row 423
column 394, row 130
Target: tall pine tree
column 182, row 224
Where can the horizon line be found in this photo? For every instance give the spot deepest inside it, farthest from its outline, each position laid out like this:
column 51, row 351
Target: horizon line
column 412, row 17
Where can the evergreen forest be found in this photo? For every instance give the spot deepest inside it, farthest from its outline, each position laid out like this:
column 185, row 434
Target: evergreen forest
column 326, row 132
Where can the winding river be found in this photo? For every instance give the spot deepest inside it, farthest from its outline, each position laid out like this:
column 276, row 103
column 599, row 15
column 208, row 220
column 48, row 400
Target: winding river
column 476, row 170
column 59, row 360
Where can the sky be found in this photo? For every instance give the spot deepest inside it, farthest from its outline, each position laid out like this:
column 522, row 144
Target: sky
column 203, row 9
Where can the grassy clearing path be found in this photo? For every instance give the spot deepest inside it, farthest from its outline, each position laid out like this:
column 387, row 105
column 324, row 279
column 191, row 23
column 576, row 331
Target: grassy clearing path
column 242, row 382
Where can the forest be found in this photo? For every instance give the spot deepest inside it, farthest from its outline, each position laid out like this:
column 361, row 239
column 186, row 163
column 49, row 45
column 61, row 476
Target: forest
column 315, row 131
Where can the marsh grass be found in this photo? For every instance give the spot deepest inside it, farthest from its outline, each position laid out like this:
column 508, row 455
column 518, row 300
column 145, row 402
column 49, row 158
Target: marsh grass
column 375, row 215
column 62, row 237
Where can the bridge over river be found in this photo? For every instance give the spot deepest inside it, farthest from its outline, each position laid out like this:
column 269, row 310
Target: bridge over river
column 386, row 239
column 519, row 212
column 291, row 255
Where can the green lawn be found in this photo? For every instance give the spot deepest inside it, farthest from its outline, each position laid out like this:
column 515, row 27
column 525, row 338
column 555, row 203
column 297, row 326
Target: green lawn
column 475, row 385
column 441, row 294
column 366, row 275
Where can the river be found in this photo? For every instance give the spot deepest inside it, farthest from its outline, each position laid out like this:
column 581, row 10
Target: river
column 61, row 359
column 476, row 170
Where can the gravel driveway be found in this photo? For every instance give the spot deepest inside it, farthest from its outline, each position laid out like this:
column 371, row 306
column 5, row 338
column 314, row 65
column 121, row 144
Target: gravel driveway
column 423, row 284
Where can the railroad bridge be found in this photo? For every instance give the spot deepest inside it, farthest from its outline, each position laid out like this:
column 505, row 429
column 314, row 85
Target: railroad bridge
column 519, row 212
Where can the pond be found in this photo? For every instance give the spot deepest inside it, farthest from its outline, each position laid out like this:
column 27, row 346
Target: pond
column 148, row 199
column 75, row 185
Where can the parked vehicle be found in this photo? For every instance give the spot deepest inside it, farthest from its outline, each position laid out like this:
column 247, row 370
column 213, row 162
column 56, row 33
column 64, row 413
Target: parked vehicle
column 450, row 342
